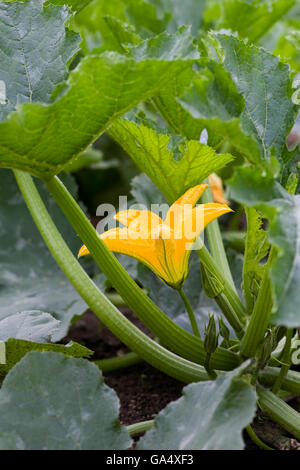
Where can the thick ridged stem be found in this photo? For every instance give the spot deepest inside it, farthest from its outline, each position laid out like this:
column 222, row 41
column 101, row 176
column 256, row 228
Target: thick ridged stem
column 289, row 383
column 260, row 317
column 279, row 411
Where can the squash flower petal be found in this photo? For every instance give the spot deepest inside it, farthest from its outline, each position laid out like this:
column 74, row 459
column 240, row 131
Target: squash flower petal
column 163, row 246
column 217, row 189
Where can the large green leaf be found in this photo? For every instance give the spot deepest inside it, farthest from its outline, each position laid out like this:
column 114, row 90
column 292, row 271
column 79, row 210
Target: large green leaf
column 32, row 331
column 99, row 90
column 251, row 188
column 240, row 99
column 16, row 349
column 174, row 166
column 29, row 277
column 51, row 402
column 34, row 51
column 252, row 18
column 32, row 326
column 266, row 87
column 212, row 101
column 209, row 416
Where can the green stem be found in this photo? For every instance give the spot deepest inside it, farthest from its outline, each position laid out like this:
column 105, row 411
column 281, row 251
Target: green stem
column 253, row 436
column 115, row 299
column 289, row 383
column 230, row 313
column 138, row 428
column 119, row 362
column 212, row 374
column 279, row 411
column 171, row 335
column 232, row 298
column 285, row 359
column 137, row 341
column 216, row 242
column 260, row 317
column 190, row 312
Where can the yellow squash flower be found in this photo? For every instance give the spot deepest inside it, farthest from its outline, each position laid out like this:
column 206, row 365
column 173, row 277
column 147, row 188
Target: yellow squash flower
column 163, row 246
column 217, row 189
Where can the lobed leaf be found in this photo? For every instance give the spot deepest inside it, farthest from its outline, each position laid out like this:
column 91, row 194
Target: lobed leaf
column 173, row 168
column 265, row 85
column 32, row 326
column 16, row 349
column 32, row 64
column 209, row 416
column 240, row 98
column 101, row 89
column 52, row 402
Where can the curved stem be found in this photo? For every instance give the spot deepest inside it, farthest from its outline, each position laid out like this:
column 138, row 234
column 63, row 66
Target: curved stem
column 285, row 359
column 190, row 312
column 138, row 428
column 260, row 317
column 119, row 362
column 279, row 411
column 137, row 341
column 171, row 335
column 254, row 437
column 290, row 382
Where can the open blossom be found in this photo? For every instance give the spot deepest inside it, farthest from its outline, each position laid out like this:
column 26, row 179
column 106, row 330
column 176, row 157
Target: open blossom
column 163, row 246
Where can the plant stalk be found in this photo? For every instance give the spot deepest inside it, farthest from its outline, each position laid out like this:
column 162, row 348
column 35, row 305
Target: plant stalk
column 237, row 308
column 290, row 382
column 254, row 437
column 119, row 362
column 190, row 312
column 279, row 411
column 260, row 317
column 138, row 428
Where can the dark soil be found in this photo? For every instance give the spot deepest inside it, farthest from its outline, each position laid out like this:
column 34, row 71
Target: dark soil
column 142, row 390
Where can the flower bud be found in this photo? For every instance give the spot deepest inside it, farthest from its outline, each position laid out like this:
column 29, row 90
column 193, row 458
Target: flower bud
column 210, row 336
